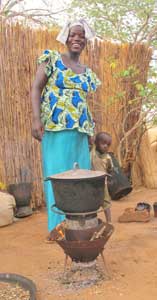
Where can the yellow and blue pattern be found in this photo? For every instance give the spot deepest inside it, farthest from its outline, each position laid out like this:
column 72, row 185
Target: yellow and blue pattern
column 63, row 102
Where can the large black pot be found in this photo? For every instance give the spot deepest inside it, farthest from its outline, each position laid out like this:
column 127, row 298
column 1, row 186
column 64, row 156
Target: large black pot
column 78, row 191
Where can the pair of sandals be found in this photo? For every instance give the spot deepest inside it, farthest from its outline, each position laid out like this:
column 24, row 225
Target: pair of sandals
column 142, row 206
column 141, row 213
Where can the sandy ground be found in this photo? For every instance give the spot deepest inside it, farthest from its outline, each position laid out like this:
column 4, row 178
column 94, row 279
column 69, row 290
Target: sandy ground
column 131, row 255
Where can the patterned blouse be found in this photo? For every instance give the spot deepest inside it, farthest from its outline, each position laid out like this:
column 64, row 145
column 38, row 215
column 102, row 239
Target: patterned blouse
column 63, row 100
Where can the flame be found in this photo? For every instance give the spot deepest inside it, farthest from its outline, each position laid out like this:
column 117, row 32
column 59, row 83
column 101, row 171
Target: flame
column 61, row 233
column 60, row 230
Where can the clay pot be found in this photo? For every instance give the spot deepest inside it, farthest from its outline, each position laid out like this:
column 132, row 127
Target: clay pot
column 21, row 192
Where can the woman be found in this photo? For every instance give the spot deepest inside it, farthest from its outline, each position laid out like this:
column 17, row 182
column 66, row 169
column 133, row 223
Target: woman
column 61, row 117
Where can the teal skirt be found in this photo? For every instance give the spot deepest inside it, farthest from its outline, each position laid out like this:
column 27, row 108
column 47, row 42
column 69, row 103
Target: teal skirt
column 59, row 152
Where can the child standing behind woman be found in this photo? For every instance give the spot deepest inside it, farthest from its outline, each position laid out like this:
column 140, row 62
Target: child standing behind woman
column 101, row 161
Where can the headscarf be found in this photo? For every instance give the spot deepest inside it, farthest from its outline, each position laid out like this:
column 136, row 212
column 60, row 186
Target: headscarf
column 63, row 35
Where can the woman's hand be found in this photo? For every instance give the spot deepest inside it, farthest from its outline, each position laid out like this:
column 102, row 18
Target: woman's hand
column 90, row 142
column 37, row 129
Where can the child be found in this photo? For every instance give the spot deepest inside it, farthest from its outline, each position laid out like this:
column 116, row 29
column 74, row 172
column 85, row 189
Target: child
column 101, row 161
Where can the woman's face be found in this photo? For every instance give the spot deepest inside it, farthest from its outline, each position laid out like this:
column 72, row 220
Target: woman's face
column 76, row 40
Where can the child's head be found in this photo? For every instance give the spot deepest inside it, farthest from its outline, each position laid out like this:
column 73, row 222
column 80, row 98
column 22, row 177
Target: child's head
column 103, row 141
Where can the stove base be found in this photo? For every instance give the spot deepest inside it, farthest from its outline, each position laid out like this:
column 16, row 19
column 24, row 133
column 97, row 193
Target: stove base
column 86, row 250
column 85, row 269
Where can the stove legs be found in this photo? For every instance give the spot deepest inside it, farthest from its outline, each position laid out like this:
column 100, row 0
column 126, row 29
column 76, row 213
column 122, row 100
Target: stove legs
column 107, row 271
column 67, row 274
column 65, row 264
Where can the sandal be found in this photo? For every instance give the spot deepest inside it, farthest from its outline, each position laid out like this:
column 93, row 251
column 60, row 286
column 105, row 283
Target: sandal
column 132, row 215
column 49, row 241
column 142, row 206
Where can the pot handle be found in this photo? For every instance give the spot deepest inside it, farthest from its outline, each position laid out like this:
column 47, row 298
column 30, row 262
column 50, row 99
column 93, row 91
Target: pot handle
column 76, row 166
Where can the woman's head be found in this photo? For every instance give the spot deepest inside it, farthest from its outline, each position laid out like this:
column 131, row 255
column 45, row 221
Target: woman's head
column 76, row 40
column 103, row 141
column 75, row 35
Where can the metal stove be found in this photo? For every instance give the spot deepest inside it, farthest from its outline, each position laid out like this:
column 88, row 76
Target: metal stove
column 84, row 235
column 83, row 239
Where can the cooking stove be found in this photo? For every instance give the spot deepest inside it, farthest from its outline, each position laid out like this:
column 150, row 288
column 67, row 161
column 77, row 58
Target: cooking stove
column 83, row 235
column 83, row 239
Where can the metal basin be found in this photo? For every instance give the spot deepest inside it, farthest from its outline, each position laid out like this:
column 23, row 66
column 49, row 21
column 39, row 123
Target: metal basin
column 24, row 282
column 86, row 251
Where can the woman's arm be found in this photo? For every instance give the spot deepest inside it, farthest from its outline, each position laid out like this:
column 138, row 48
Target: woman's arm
column 38, row 85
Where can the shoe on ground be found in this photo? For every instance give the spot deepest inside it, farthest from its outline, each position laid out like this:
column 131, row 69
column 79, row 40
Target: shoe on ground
column 132, row 215
column 143, row 206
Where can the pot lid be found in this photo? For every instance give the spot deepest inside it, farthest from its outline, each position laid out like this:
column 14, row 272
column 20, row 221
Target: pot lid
column 78, row 174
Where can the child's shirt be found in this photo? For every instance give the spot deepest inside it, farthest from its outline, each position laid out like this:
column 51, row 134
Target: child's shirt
column 102, row 162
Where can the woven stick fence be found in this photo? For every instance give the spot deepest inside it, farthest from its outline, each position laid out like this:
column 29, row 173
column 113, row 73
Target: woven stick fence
column 20, row 158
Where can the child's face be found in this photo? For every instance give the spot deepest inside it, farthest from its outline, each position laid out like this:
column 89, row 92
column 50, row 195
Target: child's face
column 103, row 144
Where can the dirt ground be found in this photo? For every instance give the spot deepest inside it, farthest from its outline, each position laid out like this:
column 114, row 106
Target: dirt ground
column 131, row 255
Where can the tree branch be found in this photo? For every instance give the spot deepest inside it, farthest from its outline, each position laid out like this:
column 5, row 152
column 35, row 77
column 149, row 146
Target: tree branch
column 138, row 124
column 10, row 3
column 151, row 34
column 143, row 26
column 7, row 12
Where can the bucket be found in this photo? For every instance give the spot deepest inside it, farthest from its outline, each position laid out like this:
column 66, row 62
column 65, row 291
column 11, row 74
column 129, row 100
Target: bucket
column 118, row 185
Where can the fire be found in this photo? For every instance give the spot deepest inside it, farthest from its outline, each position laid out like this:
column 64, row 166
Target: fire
column 58, row 232
column 61, row 233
